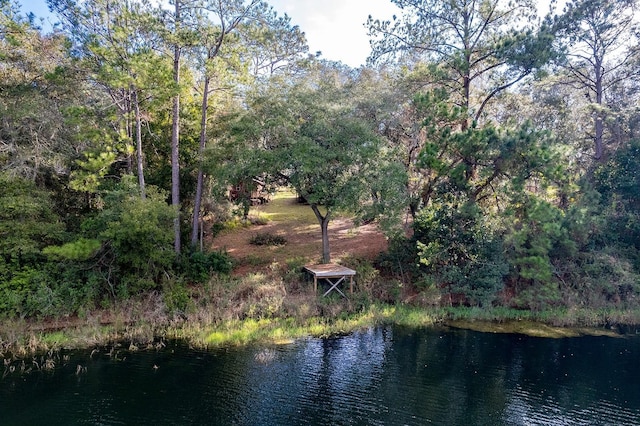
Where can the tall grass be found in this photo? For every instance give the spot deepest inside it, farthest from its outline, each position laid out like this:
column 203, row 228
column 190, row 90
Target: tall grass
column 278, row 307
column 279, row 330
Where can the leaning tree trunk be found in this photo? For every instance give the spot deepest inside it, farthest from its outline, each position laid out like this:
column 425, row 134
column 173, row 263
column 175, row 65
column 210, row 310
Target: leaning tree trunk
column 324, row 226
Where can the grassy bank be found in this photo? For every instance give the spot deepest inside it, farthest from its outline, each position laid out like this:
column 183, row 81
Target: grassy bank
column 26, row 339
column 21, row 339
column 550, row 324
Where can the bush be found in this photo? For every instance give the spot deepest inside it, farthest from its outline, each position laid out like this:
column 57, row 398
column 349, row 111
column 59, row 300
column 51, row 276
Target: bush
column 136, row 236
column 457, row 249
column 220, row 262
column 258, row 220
column 366, row 274
column 538, row 297
column 267, row 239
column 28, row 222
column 401, row 260
column 176, row 298
column 199, row 266
column 15, row 291
column 77, row 285
column 293, row 274
column 602, row 278
column 29, row 293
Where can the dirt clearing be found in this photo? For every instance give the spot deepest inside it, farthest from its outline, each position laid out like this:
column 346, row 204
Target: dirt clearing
column 296, row 223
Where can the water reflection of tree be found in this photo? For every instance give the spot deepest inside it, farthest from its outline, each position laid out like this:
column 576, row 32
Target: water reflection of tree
column 343, row 374
column 445, row 374
column 574, row 381
column 323, row 381
column 407, row 376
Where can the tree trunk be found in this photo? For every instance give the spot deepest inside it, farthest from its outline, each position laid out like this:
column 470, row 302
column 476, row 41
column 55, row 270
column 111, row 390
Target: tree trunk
column 599, row 147
column 324, row 226
column 175, row 137
column 139, row 159
column 203, row 140
column 127, row 122
column 466, row 84
column 599, row 123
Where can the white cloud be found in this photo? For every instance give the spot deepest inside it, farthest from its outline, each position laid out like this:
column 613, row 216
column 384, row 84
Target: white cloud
column 336, row 27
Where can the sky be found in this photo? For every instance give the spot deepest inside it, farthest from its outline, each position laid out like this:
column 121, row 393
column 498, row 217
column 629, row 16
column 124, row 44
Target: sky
column 336, row 27
column 333, row 27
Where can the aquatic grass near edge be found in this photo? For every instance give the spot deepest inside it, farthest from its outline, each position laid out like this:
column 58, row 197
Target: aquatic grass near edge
column 17, row 341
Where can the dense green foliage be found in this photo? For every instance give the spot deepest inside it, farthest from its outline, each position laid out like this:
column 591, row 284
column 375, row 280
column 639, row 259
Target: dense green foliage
column 504, row 166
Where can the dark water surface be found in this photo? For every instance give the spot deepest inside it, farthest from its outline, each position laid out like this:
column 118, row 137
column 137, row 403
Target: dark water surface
column 385, row 376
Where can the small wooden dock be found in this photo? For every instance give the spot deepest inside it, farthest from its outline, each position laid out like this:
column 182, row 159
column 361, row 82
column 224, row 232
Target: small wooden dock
column 334, row 274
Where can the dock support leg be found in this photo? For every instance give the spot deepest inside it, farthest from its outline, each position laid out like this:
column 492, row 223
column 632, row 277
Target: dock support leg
column 334, row 286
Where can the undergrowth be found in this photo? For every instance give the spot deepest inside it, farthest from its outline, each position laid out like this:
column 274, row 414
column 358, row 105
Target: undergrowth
column 276, row 307
column 267, row 239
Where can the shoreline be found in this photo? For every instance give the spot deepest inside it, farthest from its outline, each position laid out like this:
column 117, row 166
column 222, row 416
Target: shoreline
column 24, row 339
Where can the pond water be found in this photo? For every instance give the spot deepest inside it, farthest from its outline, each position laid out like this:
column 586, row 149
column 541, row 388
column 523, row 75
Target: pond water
column 383, row 376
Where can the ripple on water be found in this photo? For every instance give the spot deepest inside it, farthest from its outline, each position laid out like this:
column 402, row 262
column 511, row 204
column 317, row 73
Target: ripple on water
column 383, row 376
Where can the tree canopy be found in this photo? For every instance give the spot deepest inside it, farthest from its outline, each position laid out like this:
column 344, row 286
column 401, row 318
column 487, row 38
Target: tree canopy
column 497, row 149
column 313, row 139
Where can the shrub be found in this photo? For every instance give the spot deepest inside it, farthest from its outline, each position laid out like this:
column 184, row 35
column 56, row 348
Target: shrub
column 267, row 239
column 366, row 274
column 28, row 221
column 539, row 297
column 199, row 266
column 457, row 249
column 401, row 260
column 220, row 262
column 604, row 277
column 176, row 298
column 137, row 236
column 76, row 284
column 28, row 293
column 293, row 274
